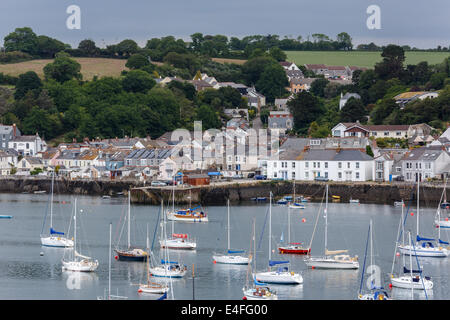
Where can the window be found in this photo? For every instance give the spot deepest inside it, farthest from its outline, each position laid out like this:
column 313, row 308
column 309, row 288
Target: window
column 348, row 165
column 293, row 175
column 326, row 174
column 386, row 133
column 274, row 164
column 379, row 165
column 326, row 165
column 318, row 164
column 28, row 145
column 357, row 175
column 293, row 164
column 314, row 164
column 398, row 133
column 340, row 165
column 285, row 164
column 306, row 174
column 357, row 165
column 306, row 164
column 340, row 175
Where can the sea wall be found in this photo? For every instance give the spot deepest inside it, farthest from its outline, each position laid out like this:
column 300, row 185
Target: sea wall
column 218, row 193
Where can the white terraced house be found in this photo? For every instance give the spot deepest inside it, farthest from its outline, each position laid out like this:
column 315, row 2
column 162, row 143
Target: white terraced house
column 336, row 165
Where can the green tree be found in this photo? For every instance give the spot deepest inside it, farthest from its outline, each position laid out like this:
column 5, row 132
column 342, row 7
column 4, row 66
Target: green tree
column 318, row 87
column 277, row 54
column 48, row 47
column 392, row 64
column 305, row 109
column 208, row 117
column 353, row 110
column 22, row 39
column 63, row 69
column 28, row 81
column 272, row 82
column 88, row 48
column 138, row 81
column 137, row 61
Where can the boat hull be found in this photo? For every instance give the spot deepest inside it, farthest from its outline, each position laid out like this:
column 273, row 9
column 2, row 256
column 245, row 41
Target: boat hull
column 229, row 259
column 123, row 255
column 80, row 266
column 406, row 282
column 423, row 252
column 166, row 273
column 279, row 277
column 253, row 294
column 178, row 244
column 445, row 224
column 329, row 263
column 57, row 242
column 153, row 289
column 176, row 217
column 290, row 250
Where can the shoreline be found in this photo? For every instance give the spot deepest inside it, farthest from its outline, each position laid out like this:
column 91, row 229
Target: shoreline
column 217, row 193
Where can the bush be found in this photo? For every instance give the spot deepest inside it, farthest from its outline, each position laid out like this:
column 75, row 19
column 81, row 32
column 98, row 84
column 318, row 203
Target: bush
column 14, row 56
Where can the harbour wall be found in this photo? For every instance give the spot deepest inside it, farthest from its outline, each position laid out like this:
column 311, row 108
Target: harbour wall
column 239, row 191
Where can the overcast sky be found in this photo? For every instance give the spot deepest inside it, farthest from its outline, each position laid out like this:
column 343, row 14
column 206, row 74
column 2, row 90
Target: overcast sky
column 419, row 23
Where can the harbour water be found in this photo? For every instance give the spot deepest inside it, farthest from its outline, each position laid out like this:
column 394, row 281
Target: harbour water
column 30, row 271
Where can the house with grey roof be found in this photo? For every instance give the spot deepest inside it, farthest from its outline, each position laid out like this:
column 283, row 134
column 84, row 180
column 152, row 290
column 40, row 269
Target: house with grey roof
column 309, row 164
column 29, row 145
column 8, row 133
column 281, row 121
column 425, row 163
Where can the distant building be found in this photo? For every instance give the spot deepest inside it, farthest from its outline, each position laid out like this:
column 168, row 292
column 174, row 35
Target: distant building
column 407, row 97
column 422, row 163
column 8, row 133
column 27, row 145
column 280, row 120
column 289, row 65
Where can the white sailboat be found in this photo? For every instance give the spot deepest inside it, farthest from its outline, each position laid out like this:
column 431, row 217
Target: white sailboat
column 188, row 215
column 55, row 238
column 376, row 293
column 410, row 281
column 257, row 291
column 77, row 261
column 178, row 240
column 332, row 259
column 130, row 253
column 150, row 286
column 278, row 270
column 231, row 256
column 424, row 247
column 292, row 247
column 295, row 204
column 167, row 268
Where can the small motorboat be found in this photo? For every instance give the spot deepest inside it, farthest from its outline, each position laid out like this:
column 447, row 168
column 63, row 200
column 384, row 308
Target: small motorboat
column 353, row 200
column 398, row 203
column 282, row 202
column 5, row 217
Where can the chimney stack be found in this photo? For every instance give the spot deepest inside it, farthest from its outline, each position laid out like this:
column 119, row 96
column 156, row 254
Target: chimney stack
column 14, row 130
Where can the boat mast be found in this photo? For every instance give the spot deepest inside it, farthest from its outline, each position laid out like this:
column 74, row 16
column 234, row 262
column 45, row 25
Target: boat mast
column 148, row 258
column 75, row 228
column 51, row 203
column 129, row 205
column 418, row 191
column 270, row 227
column 289, row 224
column 109, row 276
column 410, row 265
column 326, row 218
column 228, row 228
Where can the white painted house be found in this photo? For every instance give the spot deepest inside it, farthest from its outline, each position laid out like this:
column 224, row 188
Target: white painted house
column 27, row 145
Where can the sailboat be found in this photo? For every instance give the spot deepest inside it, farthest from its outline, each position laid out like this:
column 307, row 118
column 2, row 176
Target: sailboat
column 332, row 259
column 257, row 291
column 443, row 206
column 167, row 268
column 130, row 254
column 376, row 293
column 231, row 256
column 151, row 287
column 292, row 247
column 110, row 296
column 178, row 240
column 295, row 204
column 280, row 274
column 424, row 247
column 77, row 261
column 412, row 279
column 189, row 214
column 54, row 238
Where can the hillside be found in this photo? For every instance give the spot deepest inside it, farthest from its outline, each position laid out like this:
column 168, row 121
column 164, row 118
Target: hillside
column 89, row 67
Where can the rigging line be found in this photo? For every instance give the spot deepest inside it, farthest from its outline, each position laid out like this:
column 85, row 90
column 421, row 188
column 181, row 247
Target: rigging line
column 364, row 264
column 262, row 231
column 46, row 211
column 422, row 276
column 156, row 228
column 406, row 214
column 317, row 219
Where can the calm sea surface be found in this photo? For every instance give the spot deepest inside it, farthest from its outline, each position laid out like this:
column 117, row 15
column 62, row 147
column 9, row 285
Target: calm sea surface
column 26, row 274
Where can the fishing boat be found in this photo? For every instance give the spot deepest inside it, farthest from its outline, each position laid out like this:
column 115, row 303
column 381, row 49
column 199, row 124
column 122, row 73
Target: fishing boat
column 332, row 259
column 257, row 290
column 412, row 279
column 178, row 240
column 109, row 296
column 292, row 247
column 424, row 247
column 76, row 261
column 376, row 292
column 231, row 256
column 279, row 271
column 151, row 286
column 54, row 238
column 295, row 204
column 129, row 253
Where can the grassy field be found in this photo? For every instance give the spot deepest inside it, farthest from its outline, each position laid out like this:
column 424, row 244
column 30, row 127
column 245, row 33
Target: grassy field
column 224, row 60
column 89, row 67
column 358, row 58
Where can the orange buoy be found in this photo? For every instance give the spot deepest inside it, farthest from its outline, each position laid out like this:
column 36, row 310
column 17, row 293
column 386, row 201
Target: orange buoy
column 139, row 290
column 116, row 257
column 214, row 261
column 313, row 267
column 303, row 220
column 390, row 285
column 412, row 213
column 244, row 298
column 398, row 254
